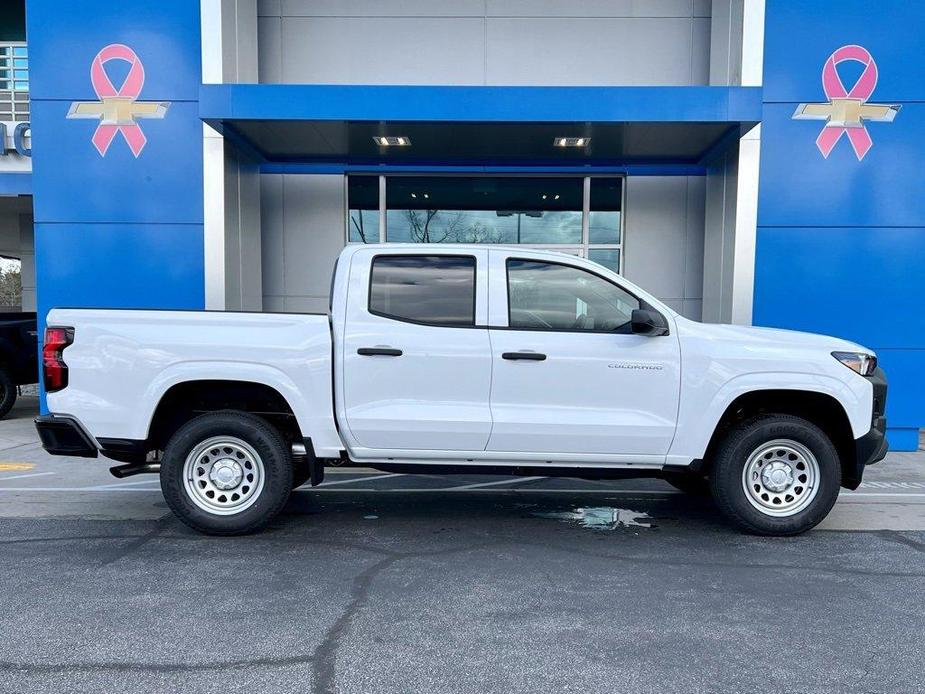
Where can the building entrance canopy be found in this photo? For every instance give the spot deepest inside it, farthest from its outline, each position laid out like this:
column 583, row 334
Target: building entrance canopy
column 664, row 129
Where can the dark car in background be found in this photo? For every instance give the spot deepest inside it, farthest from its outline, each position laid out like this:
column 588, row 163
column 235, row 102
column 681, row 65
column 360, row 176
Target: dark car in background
column 18, row 356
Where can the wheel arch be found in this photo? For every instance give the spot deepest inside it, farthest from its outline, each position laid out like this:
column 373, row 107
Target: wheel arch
column 186, row 399
column 819, row 408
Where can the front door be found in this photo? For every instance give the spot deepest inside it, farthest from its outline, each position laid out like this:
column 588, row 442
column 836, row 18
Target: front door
column 416, row 369
column 568, row 374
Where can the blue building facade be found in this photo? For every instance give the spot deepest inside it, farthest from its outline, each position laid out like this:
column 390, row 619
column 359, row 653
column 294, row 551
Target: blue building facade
column 841, row 234
column 219, row 154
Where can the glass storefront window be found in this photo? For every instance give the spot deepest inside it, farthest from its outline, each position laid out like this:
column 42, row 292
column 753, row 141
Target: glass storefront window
column 608, row 257
column 457, row 209
column 606, row 207
column 539, row 211
column 363, row 214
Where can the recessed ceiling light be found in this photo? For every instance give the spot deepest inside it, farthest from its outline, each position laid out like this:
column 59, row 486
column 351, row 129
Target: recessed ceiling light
column 392, row 140
column 571, row 141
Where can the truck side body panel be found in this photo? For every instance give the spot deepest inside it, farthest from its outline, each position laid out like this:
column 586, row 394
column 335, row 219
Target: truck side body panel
column 122, row 363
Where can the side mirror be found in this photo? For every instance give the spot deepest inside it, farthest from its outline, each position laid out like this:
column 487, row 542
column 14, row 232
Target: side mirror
column 649, row 322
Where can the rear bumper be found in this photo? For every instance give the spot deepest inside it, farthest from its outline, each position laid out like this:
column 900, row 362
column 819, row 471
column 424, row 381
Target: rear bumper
column 872, row 447
column 64, row 436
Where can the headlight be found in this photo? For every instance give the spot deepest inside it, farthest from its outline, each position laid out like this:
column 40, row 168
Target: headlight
column 863, row 363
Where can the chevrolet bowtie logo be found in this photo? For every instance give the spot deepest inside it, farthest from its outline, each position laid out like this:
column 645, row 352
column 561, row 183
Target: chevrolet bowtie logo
column 846, row 111
column 117, row 110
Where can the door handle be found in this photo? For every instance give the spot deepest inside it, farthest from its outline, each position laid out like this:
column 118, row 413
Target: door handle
column 379, row 351
column 526, row 356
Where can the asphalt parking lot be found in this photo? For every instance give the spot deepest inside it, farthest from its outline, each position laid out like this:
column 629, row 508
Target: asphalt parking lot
column 406, row 583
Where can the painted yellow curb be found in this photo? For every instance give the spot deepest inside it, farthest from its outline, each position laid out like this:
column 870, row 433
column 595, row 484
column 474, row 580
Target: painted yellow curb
column 5, row 467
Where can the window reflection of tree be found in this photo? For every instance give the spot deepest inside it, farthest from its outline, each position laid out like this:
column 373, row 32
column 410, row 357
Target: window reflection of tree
column 359, row 225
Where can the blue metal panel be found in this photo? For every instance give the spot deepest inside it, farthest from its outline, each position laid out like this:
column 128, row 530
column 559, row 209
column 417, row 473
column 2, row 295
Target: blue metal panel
column 64, row 37
column 862, row 283
column 800, row 36
column 841, row 238
column 73, row 183
column 479, row 104
column 120, row 265
column 15, row 183
column 116, row 227
column 799, row 187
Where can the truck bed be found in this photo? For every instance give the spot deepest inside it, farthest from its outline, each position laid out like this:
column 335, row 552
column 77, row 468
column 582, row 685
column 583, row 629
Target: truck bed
column 122, row 362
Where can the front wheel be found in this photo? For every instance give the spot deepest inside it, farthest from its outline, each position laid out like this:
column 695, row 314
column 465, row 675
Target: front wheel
column 775, row 475
column 226, row 473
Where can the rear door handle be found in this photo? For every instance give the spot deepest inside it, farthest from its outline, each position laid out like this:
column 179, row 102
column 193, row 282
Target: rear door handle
column 527, row 356
column 379, row 351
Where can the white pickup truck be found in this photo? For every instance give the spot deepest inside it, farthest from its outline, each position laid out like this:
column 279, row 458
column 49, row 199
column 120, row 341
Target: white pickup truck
column 470, row 359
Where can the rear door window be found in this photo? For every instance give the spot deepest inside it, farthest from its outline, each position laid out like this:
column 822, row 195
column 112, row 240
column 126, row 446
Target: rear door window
column 428, row 289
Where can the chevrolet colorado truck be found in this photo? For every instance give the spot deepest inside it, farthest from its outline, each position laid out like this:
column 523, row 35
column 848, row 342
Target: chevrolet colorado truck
column 467, row 359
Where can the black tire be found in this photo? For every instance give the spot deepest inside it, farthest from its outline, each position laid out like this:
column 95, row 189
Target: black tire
column 690, row 483
column 265, row 442
column 7, row 393
column 732, row 456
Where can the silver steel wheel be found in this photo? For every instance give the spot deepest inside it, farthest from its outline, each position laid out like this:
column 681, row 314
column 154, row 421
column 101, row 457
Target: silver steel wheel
column 781, row 478
column 223, row 475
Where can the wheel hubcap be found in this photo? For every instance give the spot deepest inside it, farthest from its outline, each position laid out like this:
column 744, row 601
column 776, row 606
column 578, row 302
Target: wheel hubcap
column 781, row 477
column 223, row 475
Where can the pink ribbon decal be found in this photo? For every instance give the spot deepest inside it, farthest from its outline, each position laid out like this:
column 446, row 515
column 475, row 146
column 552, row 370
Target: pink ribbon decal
column 860, row 92
column 130, row 90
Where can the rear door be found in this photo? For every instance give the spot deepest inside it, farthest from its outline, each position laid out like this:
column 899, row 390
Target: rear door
column 416, row 368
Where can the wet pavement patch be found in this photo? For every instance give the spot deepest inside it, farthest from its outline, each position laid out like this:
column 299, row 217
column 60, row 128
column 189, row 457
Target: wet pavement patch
column 601, row 517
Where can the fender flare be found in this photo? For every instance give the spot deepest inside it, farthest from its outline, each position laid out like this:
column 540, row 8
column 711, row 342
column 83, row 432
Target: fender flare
column 247, row 372
column 695, row 432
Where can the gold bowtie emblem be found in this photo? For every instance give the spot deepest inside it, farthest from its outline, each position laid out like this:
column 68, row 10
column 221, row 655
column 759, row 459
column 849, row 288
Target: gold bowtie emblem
column 846, row 113
column 117, row 110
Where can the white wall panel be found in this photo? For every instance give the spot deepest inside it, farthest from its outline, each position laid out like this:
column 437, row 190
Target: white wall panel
column 383, row 8
column 589, row 51
column 517, row 42
column 302, row 218
column 664, row 239
column 382, row 50
column 269, row 38
column 588, row 8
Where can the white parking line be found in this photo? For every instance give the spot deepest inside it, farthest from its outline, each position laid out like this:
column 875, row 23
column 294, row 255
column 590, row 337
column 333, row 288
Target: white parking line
column 154, row 480
column 914, row 494
column 490, row 484
column 364, row 478
column 31, row 474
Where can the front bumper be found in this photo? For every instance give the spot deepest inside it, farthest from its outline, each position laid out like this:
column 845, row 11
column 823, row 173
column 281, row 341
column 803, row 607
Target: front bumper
column 872, row 447
column 64, row 436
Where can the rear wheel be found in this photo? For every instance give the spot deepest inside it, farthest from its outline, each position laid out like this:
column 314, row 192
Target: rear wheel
column 7, row 393
column 226, row 473
column 775, row 475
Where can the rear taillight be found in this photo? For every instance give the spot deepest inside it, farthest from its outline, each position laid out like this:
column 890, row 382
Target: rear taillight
column 54, row 370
